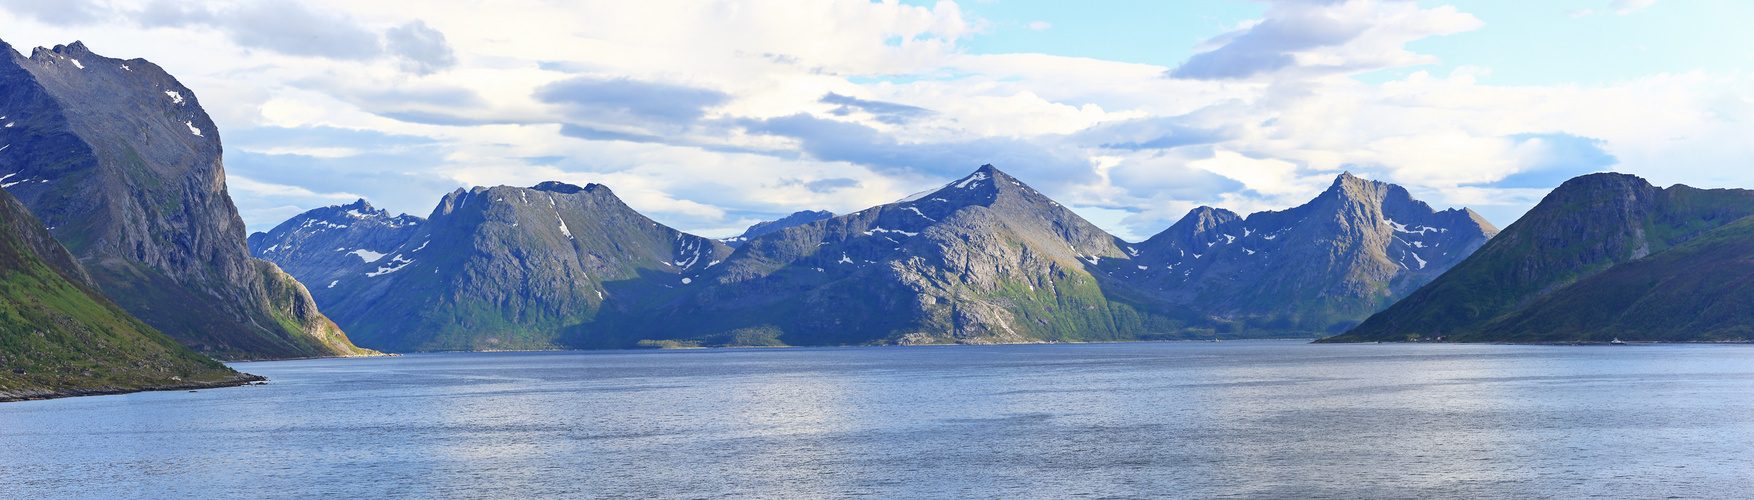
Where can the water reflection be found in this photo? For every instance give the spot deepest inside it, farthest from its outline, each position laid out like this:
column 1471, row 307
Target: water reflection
column 1236, row 419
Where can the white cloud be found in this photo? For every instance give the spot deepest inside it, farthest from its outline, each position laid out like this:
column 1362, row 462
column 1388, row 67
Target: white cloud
column 1299, row 38
column 708, row 115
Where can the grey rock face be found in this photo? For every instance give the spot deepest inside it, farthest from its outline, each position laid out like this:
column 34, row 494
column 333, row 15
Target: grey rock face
column 120, row 161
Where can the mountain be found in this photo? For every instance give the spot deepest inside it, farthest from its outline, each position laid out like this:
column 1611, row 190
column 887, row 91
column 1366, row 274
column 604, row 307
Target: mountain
column 796, row 219
column 1549, row 259
column 323, row 246
column 123, row 165
column 985, row 259
column 491, row 268
column 1701, row 290
column 60, row 337
column 1323, row 266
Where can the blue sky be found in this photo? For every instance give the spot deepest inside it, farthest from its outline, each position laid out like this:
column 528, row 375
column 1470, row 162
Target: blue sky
column 710, row 115
column 1524, row 43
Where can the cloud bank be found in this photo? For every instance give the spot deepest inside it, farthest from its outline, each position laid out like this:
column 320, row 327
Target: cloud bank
column 710, row 116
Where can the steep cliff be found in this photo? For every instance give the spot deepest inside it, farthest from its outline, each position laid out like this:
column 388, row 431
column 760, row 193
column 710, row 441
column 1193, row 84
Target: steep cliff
column 123, row 165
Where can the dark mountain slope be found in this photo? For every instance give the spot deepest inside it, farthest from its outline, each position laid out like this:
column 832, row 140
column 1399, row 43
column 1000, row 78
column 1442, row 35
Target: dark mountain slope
column 1701, row 290
column 122, row 164
column 1585, row 226
column 60, row 337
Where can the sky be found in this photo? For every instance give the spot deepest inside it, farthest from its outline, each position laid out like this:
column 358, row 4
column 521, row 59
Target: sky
column 710, row 116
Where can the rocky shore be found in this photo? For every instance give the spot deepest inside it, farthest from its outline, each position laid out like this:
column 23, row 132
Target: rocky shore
column 32, row 394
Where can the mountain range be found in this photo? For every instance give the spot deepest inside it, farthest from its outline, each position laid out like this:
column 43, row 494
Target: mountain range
column 983, row 259
column 118, row 163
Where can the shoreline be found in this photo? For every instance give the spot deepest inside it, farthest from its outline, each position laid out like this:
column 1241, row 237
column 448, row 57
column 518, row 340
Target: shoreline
column 240, row 379
column 1557, row 343
column 261, row 360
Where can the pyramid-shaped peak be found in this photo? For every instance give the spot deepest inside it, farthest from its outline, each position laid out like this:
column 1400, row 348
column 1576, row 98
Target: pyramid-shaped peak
column 985, row 173
column 1347, row 179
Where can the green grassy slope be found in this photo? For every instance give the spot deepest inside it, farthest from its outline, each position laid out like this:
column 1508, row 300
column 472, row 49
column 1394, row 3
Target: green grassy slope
column 61, row 338
column 1586, row 226
column 1701, row 290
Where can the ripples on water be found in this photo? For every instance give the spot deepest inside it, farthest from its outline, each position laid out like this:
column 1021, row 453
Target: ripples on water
column 1205, row 420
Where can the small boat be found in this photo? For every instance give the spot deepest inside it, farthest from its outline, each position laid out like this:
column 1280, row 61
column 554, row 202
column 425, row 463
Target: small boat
column 1617, row 341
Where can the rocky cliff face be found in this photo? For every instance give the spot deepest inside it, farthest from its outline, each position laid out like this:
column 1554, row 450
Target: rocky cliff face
column 122, row 164
column 1319, row 267
column 496, row 268
column 1586, row 226
column 60, row 337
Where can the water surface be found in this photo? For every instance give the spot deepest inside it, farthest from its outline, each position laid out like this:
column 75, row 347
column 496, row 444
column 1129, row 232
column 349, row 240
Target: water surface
column 1202, row 420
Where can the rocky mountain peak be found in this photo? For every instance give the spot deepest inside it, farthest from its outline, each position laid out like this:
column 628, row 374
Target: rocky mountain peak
column 561, row 187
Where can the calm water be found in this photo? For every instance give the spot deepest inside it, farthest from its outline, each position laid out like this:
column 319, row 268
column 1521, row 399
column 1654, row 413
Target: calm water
column 1233, row 419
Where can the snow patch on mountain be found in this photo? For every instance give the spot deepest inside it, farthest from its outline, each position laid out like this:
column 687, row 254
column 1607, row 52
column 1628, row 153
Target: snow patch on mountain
column 367, row 255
